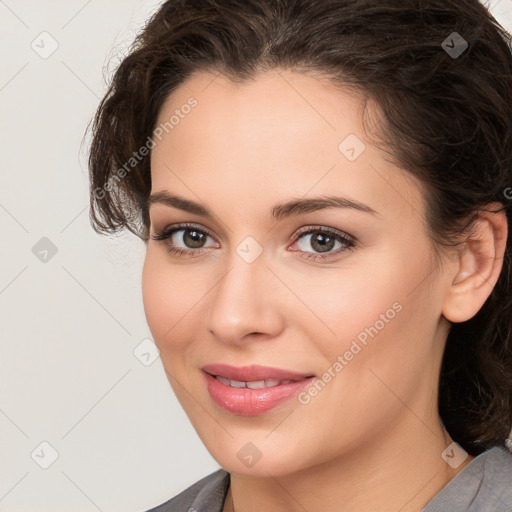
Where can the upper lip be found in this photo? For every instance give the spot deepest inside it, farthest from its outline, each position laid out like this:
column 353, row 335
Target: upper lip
column 252, row 373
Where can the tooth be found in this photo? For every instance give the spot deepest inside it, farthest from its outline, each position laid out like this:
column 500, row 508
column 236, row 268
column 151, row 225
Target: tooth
column 258, row 384
column 237, row 384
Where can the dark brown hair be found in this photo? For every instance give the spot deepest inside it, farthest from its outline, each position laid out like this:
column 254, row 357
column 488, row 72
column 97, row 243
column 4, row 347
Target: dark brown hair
column 446, row 118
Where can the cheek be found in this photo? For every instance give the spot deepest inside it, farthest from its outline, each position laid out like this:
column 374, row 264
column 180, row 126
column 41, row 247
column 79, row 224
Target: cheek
column 344, row 305
column 169, row 296
column 372, row 311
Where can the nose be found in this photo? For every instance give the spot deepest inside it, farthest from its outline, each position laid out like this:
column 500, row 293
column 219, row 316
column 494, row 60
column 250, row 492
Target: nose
column 244, row 305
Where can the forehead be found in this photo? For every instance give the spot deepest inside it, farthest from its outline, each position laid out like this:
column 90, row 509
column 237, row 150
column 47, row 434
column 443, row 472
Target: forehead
column 277, row 97
column 290, row 132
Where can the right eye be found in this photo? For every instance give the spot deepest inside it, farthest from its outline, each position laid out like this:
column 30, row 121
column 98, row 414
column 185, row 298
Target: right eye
column 184, row 239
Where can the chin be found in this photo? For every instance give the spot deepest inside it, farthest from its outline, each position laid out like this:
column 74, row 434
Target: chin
column 255, row 459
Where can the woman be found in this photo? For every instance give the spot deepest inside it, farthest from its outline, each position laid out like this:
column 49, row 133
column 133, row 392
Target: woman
column 322, row 188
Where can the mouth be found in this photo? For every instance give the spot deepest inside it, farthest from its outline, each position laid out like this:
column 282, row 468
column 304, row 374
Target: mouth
column 252, row 390
column 253, row 373
column 255, row 384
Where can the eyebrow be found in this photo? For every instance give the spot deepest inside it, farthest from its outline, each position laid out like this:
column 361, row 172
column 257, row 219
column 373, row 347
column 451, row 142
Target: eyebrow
column 279, row 211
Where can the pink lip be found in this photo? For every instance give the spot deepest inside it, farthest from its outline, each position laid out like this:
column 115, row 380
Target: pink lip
column 252, row 373
column 250, row 402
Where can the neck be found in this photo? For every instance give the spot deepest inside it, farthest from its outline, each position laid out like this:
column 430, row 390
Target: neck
column 403, row 473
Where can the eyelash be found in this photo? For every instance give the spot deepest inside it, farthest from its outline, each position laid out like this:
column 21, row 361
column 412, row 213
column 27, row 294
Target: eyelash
column 348, row 242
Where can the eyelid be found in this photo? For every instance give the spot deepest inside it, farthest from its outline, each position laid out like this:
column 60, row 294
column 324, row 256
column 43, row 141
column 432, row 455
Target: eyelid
column 172, row 228
column 324, row 229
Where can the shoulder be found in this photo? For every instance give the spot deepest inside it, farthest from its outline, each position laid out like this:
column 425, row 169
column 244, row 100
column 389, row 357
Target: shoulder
column 207, row 494
column 484, row 485
column 497, row 479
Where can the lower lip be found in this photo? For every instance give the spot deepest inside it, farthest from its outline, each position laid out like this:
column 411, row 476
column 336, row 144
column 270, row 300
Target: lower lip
column 250, row 402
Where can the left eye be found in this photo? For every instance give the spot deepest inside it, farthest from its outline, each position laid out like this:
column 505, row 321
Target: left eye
column 322, row 241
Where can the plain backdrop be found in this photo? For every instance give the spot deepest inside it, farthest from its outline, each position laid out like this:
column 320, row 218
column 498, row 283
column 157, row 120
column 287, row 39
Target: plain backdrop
column 86, row 423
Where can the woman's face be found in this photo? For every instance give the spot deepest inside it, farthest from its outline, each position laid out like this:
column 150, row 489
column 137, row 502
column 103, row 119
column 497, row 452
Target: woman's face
column 306, row 251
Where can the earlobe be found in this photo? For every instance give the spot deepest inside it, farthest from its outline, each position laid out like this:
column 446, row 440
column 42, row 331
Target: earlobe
column 477, row 266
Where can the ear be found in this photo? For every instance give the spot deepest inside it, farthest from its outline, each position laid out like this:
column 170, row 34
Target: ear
column 477, row 267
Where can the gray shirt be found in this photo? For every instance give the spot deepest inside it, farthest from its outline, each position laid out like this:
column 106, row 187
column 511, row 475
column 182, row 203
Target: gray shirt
column 484, row 485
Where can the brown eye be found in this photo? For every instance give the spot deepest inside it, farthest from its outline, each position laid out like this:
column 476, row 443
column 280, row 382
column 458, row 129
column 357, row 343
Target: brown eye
column 192, row 238
column 184, row 240
column 322, row 242
column 319, row 243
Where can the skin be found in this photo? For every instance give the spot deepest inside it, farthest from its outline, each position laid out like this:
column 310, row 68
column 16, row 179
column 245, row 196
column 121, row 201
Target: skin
column 372, row 438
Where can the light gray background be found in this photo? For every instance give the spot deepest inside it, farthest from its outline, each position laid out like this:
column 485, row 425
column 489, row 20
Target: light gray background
column 69, row 325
